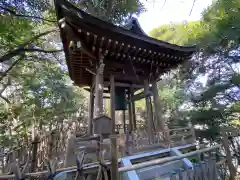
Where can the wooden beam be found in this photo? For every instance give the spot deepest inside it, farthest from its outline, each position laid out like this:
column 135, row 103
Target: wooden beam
column 80, row 43
column 105, row 97
column 89, row 89
column 126, row 77
column 118, row 84
column 141, row 95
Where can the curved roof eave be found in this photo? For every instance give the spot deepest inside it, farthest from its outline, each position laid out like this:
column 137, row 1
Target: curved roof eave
column 66, row 9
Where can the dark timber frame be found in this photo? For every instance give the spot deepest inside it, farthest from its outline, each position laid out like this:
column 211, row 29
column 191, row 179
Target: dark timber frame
column 102, row 55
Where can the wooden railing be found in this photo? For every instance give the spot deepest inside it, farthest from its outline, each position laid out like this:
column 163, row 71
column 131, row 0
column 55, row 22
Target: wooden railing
column 44, row 146
column 61, row 147
column 201, row 170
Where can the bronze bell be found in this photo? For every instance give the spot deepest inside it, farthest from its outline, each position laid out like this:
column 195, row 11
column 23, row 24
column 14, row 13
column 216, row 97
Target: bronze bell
column 120, row 98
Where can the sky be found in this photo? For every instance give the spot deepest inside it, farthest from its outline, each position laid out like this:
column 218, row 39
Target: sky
column 175, row 11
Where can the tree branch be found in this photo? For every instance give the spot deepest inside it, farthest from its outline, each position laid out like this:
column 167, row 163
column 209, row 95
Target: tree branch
column 41, row 50
column 38, row 36
column 21, row 49
column 11, row 67
column 25, row 16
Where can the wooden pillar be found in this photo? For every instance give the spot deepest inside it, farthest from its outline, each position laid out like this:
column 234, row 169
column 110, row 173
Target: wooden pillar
column 232, row 169
column 99, row 87
column 130, row 113
column 90, row 111
column 114, row 158
column 157, row 106
column 70, row 158
column 99, row 95
column 112, row 102
column 2, row 160
column 35, row 145
column 133, row 109
column 51, row 144
column 124, row 121
column 167, row 136
column 192, row 132
column 149, row 112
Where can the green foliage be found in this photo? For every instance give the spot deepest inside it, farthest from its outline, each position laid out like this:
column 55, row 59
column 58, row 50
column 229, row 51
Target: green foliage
column 115, row 11
column 214, row 103
column 235, row 107
column 13, row 31
column 181, row 34
column 36, row 92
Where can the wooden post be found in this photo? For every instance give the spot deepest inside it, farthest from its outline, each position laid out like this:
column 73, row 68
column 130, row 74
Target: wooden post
column 15, row 167
column 190, row 174
column 149, row 113
column 130, row 113
column 133, row 109
column 157, row 106
column 2, row 160
column 212, row 166
column 192, row 131
column 35, row 144
column 70, row 156
column 99, row 87
column 124, row 121
column 114, row 158
column 183, row 175
column 99, row 147
column 90, row 111
column 112, row 102
column 231, row 167
column 151, row 110
column 51, row 145
column 167, row 135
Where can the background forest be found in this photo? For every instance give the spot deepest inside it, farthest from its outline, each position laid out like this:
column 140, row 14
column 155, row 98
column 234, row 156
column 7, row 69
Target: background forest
column 36, row 94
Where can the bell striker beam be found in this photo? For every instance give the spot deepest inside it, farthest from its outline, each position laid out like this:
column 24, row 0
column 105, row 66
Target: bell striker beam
column 112, row 102
column 149, row 112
